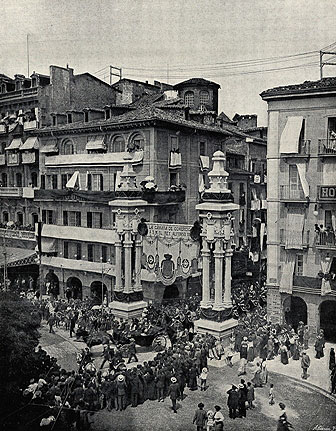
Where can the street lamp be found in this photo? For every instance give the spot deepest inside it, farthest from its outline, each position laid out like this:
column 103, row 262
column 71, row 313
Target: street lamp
column 102, row 280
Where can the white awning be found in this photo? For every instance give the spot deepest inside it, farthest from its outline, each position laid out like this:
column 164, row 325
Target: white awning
column 74, row 233
column 97, row 143
column 31, row 143
column 289, row 141
column 73, row 180
column 294, row 229
column 51, row 148
column 286, row 281
column 301, row 167
column 15, row 144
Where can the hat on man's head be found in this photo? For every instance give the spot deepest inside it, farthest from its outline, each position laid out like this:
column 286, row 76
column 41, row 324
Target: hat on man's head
column 282, row 406
column 120, row 378
column 173, row 380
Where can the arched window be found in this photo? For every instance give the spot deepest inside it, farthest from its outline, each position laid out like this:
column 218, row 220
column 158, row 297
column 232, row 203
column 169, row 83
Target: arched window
column 5, row 217
column 18, row 178
column 4, row 179
column 189, row 98
column 118, row 144
column 204, row 97
column 68, row 147
column 136, row 142
column 34, row 179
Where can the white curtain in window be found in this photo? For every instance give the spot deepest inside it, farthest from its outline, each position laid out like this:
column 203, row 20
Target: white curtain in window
column 325, row 268
column 201, row 186
column 289, row 141
column 301, row 167
column 329, row 173
column 294, row 229
column 286, row 281
column 262, row 233
column 333, row 221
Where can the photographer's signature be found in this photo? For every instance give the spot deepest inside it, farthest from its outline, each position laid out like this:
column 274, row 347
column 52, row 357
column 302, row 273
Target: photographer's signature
column 322, row 428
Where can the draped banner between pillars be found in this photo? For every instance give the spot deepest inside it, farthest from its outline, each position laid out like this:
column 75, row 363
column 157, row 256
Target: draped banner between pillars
column 169, row 252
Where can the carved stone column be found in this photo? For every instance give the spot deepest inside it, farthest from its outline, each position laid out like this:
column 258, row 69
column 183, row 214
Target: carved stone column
column 205, row 303
column 219, row 255
column 118, row 265
column 228, row 277
column 137, row 269
column 128, row 262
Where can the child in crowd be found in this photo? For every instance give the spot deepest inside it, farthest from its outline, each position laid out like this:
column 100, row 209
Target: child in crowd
column 250, row 395
column 203, row 377
column 271, row 395
column 210, row 421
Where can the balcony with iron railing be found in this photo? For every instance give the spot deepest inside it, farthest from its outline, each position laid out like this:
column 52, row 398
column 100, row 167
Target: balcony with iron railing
column 290, row 194
column 17, row 192
column 30, row 125
column 17, row 234
column 305, row 238
column 327, row 147
column 326, row 240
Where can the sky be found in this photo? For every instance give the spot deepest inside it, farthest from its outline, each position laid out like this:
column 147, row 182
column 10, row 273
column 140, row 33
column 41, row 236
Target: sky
column 236, row 43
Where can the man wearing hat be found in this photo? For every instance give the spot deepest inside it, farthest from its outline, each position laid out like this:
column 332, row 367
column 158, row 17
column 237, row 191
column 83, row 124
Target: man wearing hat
column 305, row 364
column 173, row 392
column 200, row 417
column 232, row 401
column 121, row 392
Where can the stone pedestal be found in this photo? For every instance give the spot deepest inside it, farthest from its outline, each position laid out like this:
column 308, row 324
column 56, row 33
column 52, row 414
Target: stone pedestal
column 220, row 330
column 127, row 310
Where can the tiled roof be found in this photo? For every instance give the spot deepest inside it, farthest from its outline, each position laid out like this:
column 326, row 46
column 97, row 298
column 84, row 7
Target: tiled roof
column 147, row 113
column 323, row 85
column 225, row 118
column 196, row 81
column 146, row 100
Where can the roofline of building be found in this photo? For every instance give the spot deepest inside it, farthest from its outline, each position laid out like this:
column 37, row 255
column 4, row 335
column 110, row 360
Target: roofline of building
column 186, row 83
column 307, row 92
column 137, row 82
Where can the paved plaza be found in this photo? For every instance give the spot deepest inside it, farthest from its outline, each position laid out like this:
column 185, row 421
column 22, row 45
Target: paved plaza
column 308, row 404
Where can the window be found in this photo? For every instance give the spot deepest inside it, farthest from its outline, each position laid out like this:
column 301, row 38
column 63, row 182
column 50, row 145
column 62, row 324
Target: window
column 64, row 180
column 4, row 179
column 79, row 251
column 174, row 144
column 299, row 264
column 90, row 252
column 34, row 218
column 234, row 161
column 100, row 182
column 66, row 249
column 89, row 182
column 302, row 137
column 72, row 218
column 19, row 218
column 95, row 182
column 104, row 253
column 107, row 114
column 34, row 179
column 295, row 188
column 173, row 178
column 65, row 218
column 136, row 143
column 5, row 217
column 54, row 120
column 54, row 181
column 18, row 85
column 204, row 98
column 189, row 98
column 3, row 88
column 78, row 218
column 86, row 117
column 202, row 148
column 68, row 148
column 69, row 118
column 43, row 182
column 118, row 145
column 47, row 216
column 328, row 219
column 18, row 178
column 95, row 220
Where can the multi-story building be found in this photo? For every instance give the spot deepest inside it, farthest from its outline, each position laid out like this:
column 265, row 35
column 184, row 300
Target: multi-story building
column 27, row 105
column 301, row 163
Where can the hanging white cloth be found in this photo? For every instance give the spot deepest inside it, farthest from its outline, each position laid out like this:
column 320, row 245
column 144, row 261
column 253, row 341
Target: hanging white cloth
column 262, row 233
column 286, row 281
column 201, row 186
column 301, row 167
column 325, row 268
column 294, row 229
column 74, row 180
column 289, row 141
column 333, row 221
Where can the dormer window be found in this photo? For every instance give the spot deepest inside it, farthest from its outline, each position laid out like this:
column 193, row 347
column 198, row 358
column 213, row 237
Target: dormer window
column 204, row 98
column 189, row 98
column 69, row 117
column 86, row 116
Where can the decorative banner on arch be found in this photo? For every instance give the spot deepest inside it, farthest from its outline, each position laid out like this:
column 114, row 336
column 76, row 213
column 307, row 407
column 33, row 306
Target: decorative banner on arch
column 169, row 252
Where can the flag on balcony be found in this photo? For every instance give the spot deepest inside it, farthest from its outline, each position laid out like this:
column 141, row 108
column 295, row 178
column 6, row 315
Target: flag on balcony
column 325, row 268
column 294, row 229
column 286, row 281
column 289, row 141
column 301, row 167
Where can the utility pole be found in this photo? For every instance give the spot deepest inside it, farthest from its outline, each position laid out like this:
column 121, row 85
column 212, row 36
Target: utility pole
column 115, row 71
column 27, row 54
column 326, row 62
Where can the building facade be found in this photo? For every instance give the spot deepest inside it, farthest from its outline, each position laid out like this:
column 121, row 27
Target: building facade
column 301, row 161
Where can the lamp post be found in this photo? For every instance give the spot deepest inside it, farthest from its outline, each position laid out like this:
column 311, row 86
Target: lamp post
column 104, row 271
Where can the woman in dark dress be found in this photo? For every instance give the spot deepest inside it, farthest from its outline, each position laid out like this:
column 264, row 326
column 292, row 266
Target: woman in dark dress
column 331, row 359
column 193, row 378
column 284, row 354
